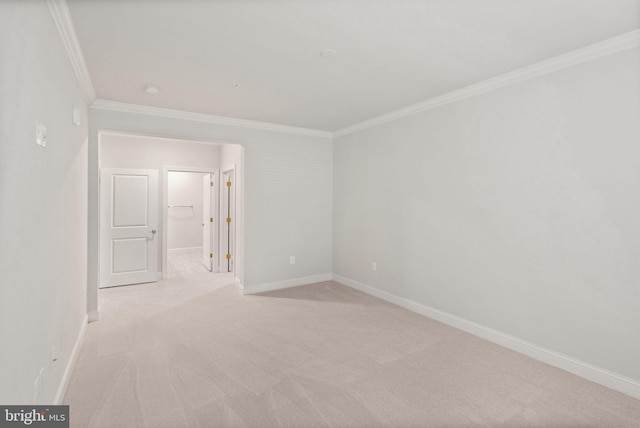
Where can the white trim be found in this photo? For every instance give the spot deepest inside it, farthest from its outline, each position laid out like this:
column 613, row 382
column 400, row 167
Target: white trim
column 239, row 285
column 62, row 18
column 286, row 283
column 66, row 376
column 626, row 41
column 93, row 316
column 206, row 118
column 228, row 170
column 587, row 371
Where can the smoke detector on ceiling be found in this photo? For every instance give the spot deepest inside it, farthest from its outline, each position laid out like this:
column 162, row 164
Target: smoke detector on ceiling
column 328, row 53
column 152, row 89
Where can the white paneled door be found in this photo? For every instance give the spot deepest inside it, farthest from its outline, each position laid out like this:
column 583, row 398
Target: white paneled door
column 207, row 221
column 128, row 226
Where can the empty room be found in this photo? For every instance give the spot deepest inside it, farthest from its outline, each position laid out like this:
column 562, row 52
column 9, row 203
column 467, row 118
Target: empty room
column 354, row 213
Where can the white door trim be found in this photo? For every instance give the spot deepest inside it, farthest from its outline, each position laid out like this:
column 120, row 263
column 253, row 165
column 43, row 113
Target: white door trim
column 222, row 225
column 165, row 204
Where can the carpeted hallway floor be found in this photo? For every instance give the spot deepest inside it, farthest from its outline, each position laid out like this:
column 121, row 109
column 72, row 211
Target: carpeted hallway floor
column 321, row 355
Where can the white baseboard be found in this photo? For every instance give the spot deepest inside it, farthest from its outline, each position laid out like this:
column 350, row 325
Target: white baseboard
column 66, row 376
column 261, row 288
column 239, row 285
column 587, row 371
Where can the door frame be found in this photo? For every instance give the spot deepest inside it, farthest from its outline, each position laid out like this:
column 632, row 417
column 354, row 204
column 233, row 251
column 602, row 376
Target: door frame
column 165, row 206
column 231, row 168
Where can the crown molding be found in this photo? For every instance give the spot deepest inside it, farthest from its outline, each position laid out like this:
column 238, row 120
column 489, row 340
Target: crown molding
column 626, row 41
column 62, row 18
column 206, row 118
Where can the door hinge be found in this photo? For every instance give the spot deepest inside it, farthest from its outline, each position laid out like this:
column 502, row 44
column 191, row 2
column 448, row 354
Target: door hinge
column 212, row 184
column 228, row 256
column 210, row 219
column 210, row 255
column 228, row 219
column 228, row 184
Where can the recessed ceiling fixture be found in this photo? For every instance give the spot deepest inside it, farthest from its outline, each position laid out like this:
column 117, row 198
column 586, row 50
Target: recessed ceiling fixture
column 328, row 53
column 152, row 89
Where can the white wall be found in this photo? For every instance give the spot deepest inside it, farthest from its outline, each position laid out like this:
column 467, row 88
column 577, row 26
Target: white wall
column 121, row 150
column 517, row 209
column 43, row 205
column 286, row 183
column 185, row 224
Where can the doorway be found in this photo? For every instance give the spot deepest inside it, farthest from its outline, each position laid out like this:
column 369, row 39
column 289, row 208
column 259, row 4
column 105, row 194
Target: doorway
column 129, row 190
column 191, row 205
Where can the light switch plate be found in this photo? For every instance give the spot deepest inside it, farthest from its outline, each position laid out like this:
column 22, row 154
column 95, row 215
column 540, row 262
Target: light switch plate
column 41, row 134
column 75, row 116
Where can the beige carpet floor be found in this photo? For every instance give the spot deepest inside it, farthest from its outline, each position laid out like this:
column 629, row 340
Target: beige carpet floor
column 321, row 355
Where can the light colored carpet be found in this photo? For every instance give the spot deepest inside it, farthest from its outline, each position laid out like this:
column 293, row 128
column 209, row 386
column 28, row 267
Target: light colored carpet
column 321, row 355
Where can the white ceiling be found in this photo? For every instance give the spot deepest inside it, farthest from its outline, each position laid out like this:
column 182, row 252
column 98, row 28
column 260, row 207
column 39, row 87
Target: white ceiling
column 390, row 54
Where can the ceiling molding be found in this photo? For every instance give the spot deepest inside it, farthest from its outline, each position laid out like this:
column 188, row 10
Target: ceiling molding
column 626, row 41
column 206, row 118
column 62, row 17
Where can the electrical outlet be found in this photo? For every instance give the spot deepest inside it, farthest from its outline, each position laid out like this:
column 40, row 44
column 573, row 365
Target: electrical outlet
column 374, row 266
column 292, row 260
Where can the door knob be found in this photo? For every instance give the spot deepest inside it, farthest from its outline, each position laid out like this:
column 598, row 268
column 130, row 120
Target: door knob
column 153, row 230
